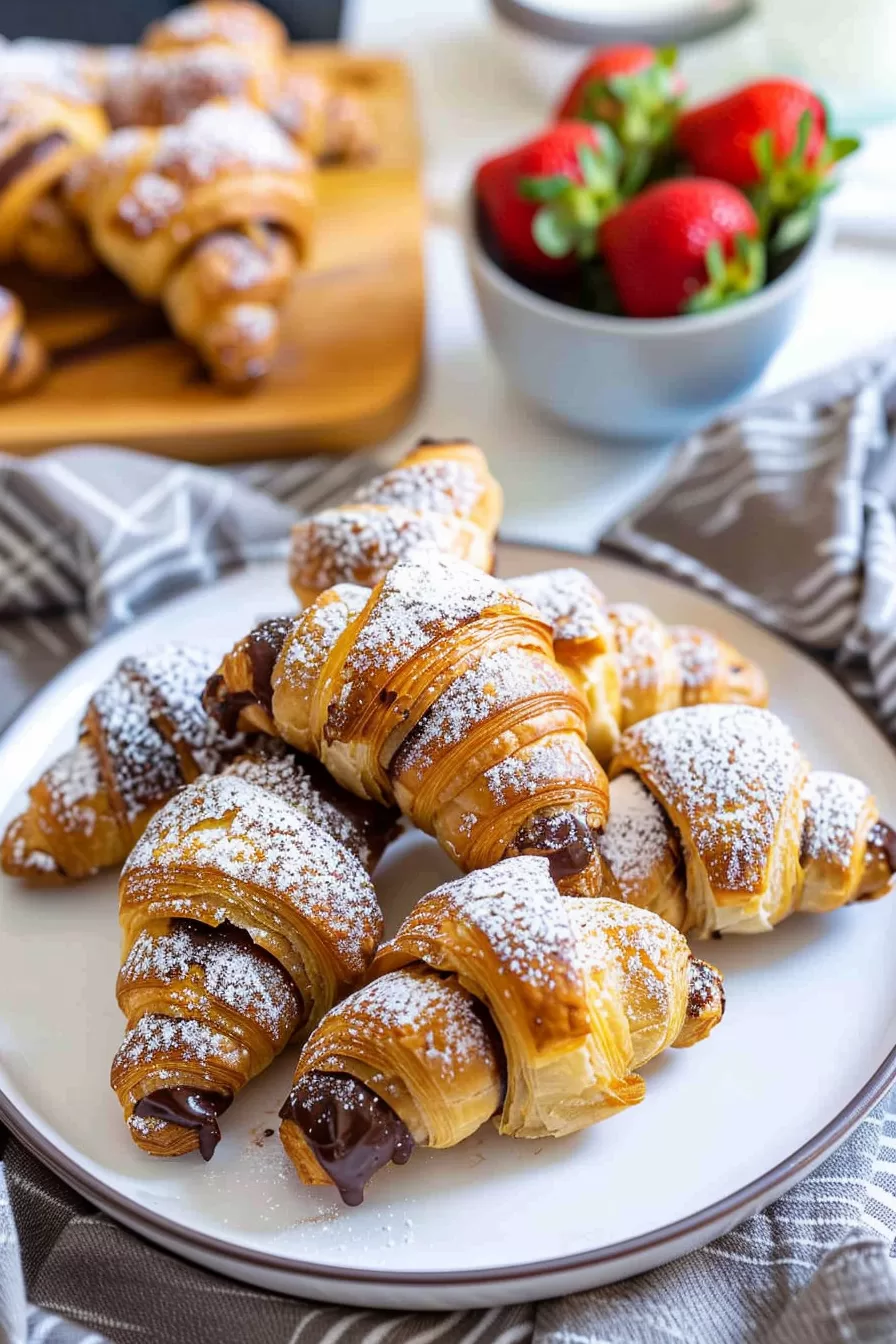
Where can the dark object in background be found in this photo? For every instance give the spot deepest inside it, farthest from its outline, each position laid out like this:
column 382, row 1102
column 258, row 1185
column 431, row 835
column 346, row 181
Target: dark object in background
column 124, row 20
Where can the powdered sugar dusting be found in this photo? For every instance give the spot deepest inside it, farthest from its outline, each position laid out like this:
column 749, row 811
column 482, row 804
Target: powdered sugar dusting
column 436, row 486
column 231, row 826
column 222, row 136
column 232, row 24
column 360, row 543
column 516, row 906
column 160, row 90
column 185, row 1039
column 70, row 782
column 538, row 766
column 568, row 601
column 499, row 680
column 419, row 600
column 636, row 837
column 437, row 1014
column 247, row 981
column 641, row 643
column 644, row 948
column 697, row 652
column 729, row 769
column 310, row 643
column 834, row 806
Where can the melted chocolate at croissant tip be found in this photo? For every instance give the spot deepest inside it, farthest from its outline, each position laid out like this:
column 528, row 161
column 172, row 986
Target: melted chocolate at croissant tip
column 262, row 646
column 191, row 1108
column 29, row 154
column 350, row 1130
column 566, row 841
column 882, row 837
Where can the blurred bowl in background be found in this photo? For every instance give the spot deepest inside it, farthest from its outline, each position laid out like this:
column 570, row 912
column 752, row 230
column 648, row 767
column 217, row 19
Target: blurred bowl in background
column 547, row 41
column 631, row 378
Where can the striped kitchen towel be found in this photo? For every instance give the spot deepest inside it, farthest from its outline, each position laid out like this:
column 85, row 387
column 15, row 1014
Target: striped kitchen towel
column 786, row 511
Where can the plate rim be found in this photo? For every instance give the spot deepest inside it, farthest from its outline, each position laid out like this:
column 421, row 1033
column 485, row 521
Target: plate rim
column 718, row 1214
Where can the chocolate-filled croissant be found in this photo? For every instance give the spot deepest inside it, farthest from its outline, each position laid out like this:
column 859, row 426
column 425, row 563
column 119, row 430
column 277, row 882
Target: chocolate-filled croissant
column 718, row 824
column 439, row 497
column 23, row 359
column 496, row 998
column 628, row 664
column 438, row 691
column 246, row 912
column 144, row 735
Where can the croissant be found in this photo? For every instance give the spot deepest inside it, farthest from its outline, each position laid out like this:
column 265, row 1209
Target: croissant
column 627, row 663
column 241, row 49
column 496, row 998
column 43, row 135
column 23, row 359
column 439, row 691
column 211, row 218
column 145, row 734
column 440, row 496
column 718, row 824
column 246, row 912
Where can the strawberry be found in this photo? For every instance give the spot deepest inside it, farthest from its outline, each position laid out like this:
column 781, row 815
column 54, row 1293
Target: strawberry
column 684, row 245
column 544, row 200
column 634, row 89
column 771, row 139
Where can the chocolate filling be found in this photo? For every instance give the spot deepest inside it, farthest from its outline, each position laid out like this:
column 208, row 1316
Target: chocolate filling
column 29, row 154
column 566, row 841
column 703, row 985
column 263, row 648
column 350, row 1130
column 191, row 1108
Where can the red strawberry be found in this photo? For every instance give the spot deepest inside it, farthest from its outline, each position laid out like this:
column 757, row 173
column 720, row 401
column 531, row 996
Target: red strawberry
column 686, row 245
column 545, row 199
column 770, row 137
column 635, row 89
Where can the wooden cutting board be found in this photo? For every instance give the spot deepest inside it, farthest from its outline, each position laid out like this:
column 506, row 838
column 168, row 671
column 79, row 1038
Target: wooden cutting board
column 350, row 363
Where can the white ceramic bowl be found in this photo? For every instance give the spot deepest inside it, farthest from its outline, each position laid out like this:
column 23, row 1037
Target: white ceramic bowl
column 624, row 377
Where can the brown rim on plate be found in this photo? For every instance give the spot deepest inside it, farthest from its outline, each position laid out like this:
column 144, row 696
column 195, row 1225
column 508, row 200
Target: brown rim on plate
column 715, row 1218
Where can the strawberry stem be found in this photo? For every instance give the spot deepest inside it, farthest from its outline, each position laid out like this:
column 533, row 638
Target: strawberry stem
column 729, row 279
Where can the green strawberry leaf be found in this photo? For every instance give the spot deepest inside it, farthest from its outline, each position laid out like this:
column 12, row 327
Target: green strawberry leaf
column 729, row 279
column 667, row 57
column 715, row 262
column 553, row 232
column 597, row 173
column 843, row 146
column 621, row 86
column 764, row 153
column 544, row 188
column 803, row 131
column 795, row 229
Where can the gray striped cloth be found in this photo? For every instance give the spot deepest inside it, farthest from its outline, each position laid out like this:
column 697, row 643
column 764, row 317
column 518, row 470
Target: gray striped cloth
column 787, row 512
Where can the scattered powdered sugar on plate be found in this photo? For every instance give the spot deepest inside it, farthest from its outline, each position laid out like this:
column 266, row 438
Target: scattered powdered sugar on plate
column 730, row 770
column 228, row 825
column 834, row 806
column 636, row 837
column 568, row 601
column 497, row 681
column 435, row 486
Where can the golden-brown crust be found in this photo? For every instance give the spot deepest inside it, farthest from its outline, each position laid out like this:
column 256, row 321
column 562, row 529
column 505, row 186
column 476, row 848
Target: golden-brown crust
column 440, row 692
column 243, row 921
column 717, row 824
column 580, row 993
column 44, row 135
column 440, row 496
column 211, row 218
column 144, row 735
column 230, row 23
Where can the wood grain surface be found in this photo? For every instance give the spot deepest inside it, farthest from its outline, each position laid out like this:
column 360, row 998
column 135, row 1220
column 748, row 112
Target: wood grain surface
column 350, row 362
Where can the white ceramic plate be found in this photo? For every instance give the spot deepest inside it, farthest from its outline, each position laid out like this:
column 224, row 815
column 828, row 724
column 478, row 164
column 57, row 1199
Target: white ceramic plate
column 806, row 1047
